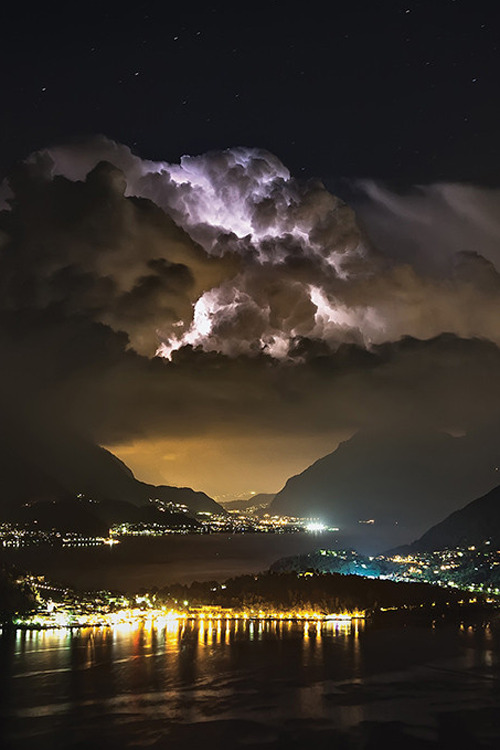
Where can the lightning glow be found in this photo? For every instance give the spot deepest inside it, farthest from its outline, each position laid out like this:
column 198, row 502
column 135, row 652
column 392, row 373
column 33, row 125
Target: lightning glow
column 250, row 260
column 245, row 202
column 290, row 237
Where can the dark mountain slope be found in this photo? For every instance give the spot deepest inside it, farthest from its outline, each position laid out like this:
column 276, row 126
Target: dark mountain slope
column 476, row 523
column 62, row 466
column 401, row 483
column 92, row 517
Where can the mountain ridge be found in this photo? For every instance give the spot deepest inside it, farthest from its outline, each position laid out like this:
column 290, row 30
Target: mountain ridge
column 61, row 467
column 385, row 488
column 477, row 523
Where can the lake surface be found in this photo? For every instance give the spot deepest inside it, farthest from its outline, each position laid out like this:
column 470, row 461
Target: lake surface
column 252, row 685
column 150, row 561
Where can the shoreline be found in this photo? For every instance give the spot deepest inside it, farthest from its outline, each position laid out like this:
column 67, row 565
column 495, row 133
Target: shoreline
column 163, row 619
column 157, row 619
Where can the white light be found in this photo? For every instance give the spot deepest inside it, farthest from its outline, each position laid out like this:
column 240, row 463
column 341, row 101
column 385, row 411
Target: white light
column 315, row 526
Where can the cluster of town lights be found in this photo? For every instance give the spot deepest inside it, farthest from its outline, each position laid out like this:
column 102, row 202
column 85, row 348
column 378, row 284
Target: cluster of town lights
column 162, row 617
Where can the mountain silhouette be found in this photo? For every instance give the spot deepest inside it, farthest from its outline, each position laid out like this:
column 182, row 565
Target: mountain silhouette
column 478, row 522
column 384, row 488
column 62, row 466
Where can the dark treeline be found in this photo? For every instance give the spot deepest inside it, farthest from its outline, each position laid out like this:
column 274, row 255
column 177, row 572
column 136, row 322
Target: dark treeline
column 314, row 591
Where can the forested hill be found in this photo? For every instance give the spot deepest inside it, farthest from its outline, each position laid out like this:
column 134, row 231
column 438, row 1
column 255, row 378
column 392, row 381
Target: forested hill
column 311, row 591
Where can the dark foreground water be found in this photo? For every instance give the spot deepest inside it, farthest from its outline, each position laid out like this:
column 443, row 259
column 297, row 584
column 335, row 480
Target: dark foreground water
column 252, row 685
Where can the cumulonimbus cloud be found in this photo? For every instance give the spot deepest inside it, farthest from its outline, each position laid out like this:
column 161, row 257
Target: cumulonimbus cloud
column 267, row 259
column 277, row 312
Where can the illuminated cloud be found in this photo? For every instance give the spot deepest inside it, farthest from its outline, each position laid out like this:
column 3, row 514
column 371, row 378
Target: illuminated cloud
column 234, row 255
column 279, row 315
column 241, row 203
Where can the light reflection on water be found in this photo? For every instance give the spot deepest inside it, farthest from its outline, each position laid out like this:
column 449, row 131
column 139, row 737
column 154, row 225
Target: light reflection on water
column 141, row 684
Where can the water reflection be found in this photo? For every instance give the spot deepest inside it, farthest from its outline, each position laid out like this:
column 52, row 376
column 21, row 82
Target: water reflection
column 136, row 684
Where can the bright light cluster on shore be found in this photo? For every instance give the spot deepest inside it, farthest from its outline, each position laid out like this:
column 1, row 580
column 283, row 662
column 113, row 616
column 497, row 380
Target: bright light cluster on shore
column 63, row 618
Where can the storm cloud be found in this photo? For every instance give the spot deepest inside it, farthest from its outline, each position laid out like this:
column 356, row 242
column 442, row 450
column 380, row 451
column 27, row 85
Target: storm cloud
column 271, row 311
column 291, row 258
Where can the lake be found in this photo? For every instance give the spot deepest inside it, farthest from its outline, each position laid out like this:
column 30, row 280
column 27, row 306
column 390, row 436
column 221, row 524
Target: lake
column 155, row 561
column 242, row 684
column 252, row 684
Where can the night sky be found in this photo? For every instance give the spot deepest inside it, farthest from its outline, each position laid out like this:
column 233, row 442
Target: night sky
column 282, row 320
column 406, row 92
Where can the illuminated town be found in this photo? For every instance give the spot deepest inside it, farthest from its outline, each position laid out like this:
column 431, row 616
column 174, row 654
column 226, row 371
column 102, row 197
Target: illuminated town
column 57, row 606
column 14, row 535
column 316, row 596
column 473, row 568
column 17, row 535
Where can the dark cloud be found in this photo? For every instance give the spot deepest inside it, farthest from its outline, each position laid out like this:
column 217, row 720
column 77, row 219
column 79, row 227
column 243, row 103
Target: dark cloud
column 252, row 258
column 89, row 249
column 278, row 315
column 67, row 368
